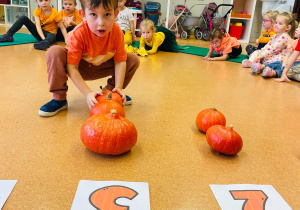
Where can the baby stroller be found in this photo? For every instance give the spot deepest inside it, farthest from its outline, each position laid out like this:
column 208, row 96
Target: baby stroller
column 211, row 19
column 152, row 11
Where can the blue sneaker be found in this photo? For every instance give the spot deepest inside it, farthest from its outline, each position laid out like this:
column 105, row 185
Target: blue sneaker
column 128, row 101
column 6, row 38
column 52, row 107
column 42, row 45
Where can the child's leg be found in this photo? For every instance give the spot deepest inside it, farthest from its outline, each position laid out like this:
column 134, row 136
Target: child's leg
column 90, row 72
column 261, row 45
column 128, row 37
column 56, row 59
column 59, row 36
column 250, row 49
column 235, row 51
column 24, row 20
column 272, row 69
column 50, row 38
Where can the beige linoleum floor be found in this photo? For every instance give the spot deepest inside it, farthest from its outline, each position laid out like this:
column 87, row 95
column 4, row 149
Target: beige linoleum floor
column 48, row 159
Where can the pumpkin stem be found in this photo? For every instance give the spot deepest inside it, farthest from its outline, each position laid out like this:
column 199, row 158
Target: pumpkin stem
column 214, row 109
column 104, row 89
column 113, row 111
column 109, row 96
column 231, row 126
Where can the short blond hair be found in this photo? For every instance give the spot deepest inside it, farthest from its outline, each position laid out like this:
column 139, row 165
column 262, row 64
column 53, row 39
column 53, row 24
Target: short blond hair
column 272, row 14
column 148, row 23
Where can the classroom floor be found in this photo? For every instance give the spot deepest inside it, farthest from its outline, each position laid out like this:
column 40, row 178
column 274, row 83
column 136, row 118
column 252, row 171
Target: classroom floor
column 48, row 159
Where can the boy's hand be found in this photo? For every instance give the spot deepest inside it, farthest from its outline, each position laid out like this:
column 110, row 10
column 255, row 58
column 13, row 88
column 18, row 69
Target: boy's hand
column 120, row 92
column 283, row 78
column 256, row 41
column 91, row 98
column 257, row 59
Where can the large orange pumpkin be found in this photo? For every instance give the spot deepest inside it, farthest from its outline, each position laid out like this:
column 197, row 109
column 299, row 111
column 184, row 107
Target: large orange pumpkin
column 209, row 117
column 108, row 134
column 224, row 139
column 106, row 106
column 115, row 96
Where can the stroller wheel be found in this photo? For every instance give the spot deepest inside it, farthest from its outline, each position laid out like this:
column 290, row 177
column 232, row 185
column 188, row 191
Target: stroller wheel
column 205, row 34
column 198, row 33
column 184, row 35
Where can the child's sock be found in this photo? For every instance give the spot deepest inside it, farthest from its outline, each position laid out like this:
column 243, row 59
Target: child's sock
column 255, row 68
column 41, row 45
column 247, row 63
column 267, row 72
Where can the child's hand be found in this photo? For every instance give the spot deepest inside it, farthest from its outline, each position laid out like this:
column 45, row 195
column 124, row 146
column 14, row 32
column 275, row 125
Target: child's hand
column 257, row 59
column 120, row 92
column 91, row 98
column 256, row 41
column 206, row 57
column 283, row 78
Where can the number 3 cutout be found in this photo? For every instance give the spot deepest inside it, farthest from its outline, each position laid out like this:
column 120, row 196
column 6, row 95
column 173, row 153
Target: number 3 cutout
column 105, row 198
column 254, row 199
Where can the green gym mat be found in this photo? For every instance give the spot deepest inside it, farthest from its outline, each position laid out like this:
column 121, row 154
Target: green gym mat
column 20, row 38
column 200, row 51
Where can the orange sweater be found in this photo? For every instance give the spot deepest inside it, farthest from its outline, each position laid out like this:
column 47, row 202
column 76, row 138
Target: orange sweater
column 227, row 43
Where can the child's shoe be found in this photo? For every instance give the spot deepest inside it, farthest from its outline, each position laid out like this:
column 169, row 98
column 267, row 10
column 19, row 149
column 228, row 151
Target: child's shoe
column 128, row 101
column 247, row 63
column 52, row 107
column 43, row 45
column 255, row 68
column 267, row 72
column 6, row 38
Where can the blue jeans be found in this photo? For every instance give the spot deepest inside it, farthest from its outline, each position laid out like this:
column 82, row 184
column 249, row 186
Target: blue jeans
column 277, row 66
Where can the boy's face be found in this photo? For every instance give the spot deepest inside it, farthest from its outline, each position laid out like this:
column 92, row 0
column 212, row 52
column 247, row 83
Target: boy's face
column 100, row 20
column 43, row 4
column 147, row 33
column 121, row 4
column 69, row 5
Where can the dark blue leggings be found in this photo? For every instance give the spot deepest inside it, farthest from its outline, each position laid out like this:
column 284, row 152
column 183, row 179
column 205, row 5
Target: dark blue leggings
column 24, row 20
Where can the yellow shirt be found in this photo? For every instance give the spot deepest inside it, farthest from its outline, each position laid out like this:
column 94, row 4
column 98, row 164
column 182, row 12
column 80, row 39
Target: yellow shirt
column 265, row 39
column 157, row 39
column 75, row 16
column 48, row 23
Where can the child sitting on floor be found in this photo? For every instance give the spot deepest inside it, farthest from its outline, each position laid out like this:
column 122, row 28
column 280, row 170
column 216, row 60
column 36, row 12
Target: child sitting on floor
column 95, row 49
column 71, row 17
column 126, row 22
column 47, row 20
column 268, row 23
column 157, row 38
column 276, row 48
column 223, row 45
column 275, row 69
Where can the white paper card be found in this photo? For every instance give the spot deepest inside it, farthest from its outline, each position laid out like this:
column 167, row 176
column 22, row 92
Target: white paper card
column 248, row 196
column 6, row 186
column 91, row 195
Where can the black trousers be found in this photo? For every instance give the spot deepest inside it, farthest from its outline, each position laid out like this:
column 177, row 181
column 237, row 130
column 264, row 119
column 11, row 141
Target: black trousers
column 250, row 48
column 24, row 20
column 60, row 36
column 235, row 51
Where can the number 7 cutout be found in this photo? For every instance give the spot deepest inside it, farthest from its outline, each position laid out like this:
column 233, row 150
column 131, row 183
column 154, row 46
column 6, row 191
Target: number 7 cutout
column 248, row 196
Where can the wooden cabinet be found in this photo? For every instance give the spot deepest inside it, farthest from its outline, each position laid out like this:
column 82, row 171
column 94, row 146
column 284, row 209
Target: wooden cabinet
column 14, row 10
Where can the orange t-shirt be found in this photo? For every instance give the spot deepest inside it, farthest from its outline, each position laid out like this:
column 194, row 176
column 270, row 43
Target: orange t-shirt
column 81, row 40
column 48, row 23
column 75, row 16
column 227, row 43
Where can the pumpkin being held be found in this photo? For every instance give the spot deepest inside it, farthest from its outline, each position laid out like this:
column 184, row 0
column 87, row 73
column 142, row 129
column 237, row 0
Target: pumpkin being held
column 209, row 117
column 115, row 96
column 224, row 139
column 108, row 134
column 106, row 105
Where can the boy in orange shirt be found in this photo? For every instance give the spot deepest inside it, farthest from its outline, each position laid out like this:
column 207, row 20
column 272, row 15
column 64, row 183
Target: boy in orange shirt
column 95, row 50
column 71, row 17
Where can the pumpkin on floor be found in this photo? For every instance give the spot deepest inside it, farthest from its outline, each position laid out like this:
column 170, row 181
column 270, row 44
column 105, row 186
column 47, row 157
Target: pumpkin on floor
column 209, row 117
column 224, row 139
column 108, row 134
column 107, row 105
column 115, row 96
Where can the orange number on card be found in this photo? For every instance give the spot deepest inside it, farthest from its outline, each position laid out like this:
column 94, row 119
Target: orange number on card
column 254, row 199
column 105, row 198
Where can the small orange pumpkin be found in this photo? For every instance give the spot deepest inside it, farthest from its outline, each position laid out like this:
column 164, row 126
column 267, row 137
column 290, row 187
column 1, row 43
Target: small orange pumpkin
column 115, row 96
column 209, row 117
column 106, row 106
column 224, row 140
column 108, row 134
